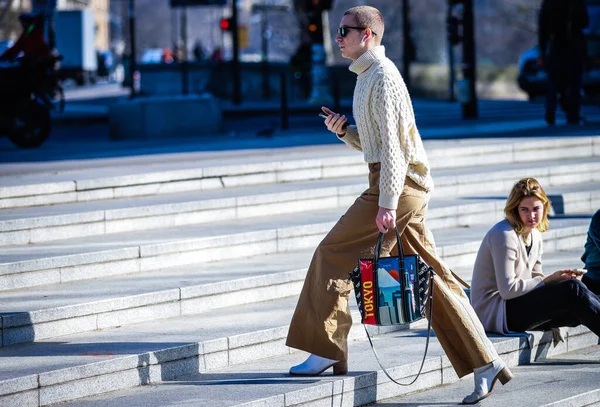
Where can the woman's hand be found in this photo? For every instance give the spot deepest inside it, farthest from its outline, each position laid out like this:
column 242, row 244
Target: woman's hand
column 335, row 123
column 559, row 275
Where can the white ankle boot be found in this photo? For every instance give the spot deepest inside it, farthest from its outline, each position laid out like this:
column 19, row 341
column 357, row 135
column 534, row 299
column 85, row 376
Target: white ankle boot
column 315, row 365
column 485, row 379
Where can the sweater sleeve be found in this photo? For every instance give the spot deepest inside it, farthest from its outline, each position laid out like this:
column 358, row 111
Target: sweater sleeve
column 351, row 138
column 390, row 113
column 504, row 256
column 537, row 267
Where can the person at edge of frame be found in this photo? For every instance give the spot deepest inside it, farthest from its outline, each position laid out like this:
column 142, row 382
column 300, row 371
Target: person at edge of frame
column 591, row 255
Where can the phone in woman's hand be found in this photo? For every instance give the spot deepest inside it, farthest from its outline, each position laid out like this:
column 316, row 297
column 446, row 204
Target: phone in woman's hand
column 579, row 272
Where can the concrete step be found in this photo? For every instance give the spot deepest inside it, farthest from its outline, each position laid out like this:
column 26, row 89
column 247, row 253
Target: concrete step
column 575, row 186
column 130, row 252
column 265, row 382
column 574, row 198
column 89, row 363
column 37, row 313
column 115, row 178
column 81, row 365
column 569, row 379
column 568, row 199
column 552, row 261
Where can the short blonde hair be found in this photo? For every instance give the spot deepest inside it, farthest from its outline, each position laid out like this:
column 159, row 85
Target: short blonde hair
column 524, row 188
column 368, row 17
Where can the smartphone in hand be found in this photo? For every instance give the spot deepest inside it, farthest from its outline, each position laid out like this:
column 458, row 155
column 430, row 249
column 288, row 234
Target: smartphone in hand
column 325, row 116
column 579, row 272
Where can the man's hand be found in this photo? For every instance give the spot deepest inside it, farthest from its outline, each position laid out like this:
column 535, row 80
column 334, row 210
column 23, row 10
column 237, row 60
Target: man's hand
column 559, row 275
column 334, row 122
column 386, row 219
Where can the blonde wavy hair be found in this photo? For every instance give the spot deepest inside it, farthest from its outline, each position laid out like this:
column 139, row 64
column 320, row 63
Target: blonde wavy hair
column 524, row 188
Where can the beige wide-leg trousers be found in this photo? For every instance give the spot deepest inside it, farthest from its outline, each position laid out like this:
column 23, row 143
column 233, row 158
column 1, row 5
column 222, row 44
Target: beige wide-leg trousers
column 322, row 320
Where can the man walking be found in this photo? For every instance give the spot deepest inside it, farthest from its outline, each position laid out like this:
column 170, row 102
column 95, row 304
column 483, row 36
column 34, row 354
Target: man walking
column 399, row 186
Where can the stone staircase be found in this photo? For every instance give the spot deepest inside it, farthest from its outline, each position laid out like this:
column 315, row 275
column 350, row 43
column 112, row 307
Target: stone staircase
column 151, row 270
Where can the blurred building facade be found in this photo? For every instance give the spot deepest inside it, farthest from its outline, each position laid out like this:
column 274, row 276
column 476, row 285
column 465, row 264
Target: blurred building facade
column 504, row 29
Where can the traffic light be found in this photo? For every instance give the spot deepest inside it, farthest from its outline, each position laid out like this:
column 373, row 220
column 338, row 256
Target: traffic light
column 226, row 24
column 461, row 29
column 454, row 21
column 318, row 4
column 315, row 27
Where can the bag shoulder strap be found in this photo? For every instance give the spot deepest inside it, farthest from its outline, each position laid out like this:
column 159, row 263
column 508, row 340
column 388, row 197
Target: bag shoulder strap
column 426, row 341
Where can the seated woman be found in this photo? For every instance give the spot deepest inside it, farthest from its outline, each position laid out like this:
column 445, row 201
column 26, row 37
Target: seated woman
column 509, row 291
column 591, row 255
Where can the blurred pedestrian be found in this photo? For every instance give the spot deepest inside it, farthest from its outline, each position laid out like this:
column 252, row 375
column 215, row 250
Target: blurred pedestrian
column 47, row 9
column 167, row 56
column 591, row 255
column 179, row 53
column 198, row 51
column 31, row 45
column 563, row 49
column 217, row 55
column 32, row 49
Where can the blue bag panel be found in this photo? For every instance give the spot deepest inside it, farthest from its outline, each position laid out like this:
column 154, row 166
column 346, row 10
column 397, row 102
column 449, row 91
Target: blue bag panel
column 412, row 300
column 389, row 292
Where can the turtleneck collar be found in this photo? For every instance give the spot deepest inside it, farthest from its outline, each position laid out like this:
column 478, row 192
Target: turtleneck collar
column 366, row 60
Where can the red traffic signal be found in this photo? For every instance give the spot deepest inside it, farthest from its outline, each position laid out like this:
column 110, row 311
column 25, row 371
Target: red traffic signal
column 226, row 24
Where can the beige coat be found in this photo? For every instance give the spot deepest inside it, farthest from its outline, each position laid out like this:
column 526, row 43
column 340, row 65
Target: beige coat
column 503, row 271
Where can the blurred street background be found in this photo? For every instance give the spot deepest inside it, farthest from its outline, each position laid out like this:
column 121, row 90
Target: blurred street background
column 266, row 66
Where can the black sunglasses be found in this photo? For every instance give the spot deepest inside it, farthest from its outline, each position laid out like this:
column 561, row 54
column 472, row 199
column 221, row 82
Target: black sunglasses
column 343, row 30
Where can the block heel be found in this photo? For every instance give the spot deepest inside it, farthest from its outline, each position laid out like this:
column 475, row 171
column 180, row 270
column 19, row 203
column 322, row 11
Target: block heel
column 340, row 368
column 486, row 376
column 505, row 375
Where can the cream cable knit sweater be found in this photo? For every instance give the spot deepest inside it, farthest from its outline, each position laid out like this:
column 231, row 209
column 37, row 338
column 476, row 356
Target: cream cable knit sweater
column 385, row 126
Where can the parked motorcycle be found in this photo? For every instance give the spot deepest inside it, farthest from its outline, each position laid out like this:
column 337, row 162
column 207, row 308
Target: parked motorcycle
column 30, row 91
